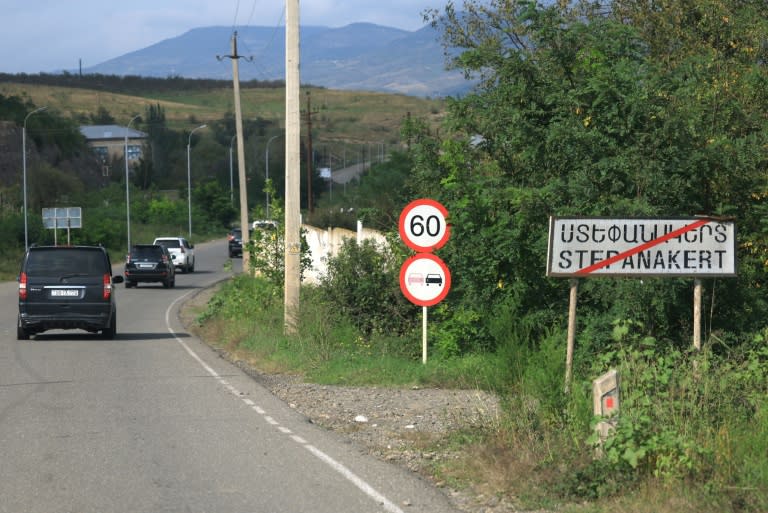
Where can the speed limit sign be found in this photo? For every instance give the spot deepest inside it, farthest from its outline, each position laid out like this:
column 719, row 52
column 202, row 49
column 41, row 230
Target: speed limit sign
column 423, row 225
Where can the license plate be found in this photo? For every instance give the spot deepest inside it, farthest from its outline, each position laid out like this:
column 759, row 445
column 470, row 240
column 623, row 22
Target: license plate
column 146, row 266
column 65, row 292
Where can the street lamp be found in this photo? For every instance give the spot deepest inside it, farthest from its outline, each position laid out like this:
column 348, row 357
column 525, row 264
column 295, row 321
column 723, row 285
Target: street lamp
column 266, row 167
column 189, row 179
column 127, row 193
column 231, row 180
column 24, row 177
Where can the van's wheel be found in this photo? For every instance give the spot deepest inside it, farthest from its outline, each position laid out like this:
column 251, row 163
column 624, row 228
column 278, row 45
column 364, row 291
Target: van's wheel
column 21, row 333
column 110, row 332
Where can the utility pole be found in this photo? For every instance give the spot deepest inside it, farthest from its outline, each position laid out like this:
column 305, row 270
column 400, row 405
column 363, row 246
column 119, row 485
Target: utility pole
column 310, row 156
column 244, row 226
column 292, row 169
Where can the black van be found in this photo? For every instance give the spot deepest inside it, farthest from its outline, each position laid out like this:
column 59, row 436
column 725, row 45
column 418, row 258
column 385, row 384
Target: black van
column 66, row 287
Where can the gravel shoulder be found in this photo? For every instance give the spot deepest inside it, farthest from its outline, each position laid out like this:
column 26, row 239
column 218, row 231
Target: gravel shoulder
column 401, row 426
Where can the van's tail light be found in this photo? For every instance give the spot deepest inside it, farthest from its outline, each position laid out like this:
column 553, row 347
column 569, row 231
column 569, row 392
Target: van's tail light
column 23, row 286
column 128, row 258
column 107, row 291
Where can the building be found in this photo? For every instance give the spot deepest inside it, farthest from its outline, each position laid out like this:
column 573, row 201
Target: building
column 108, row 141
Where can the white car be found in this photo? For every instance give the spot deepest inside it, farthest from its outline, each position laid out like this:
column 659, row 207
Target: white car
column 181, row 250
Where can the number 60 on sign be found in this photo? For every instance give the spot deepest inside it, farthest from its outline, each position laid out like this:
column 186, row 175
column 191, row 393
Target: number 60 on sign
column 423, row 225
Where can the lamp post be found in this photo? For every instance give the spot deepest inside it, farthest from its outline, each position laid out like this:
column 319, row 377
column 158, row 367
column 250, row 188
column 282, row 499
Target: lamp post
column 24, row 174
column 189, row 179
column 231, row 179
column 127, row 189
column 266, row 167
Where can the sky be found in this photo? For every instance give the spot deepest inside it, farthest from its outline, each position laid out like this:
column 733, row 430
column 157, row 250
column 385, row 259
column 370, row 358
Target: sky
column 52, row 35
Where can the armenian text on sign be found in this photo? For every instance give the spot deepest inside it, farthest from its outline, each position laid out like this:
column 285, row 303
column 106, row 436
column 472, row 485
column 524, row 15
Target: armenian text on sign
column 581, row 247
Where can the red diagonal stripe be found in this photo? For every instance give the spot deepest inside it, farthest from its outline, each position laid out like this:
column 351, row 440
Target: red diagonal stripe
column 642, row 247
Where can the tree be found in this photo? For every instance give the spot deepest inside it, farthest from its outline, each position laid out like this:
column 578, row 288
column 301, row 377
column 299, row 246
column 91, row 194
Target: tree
column 579, row 111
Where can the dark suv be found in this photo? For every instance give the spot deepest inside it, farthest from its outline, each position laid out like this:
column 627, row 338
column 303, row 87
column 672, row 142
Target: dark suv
column 149, row 263
column 235, row 242
column 66, row 287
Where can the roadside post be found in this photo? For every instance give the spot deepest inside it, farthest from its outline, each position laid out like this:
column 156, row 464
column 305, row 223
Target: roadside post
column 694, row 247
column 605, row 402
column 424, row 278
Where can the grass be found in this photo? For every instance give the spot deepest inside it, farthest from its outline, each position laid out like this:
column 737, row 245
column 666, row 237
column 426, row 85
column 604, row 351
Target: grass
column 348, row 116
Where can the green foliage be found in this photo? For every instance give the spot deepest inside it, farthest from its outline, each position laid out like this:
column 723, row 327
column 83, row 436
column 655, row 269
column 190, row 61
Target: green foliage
column 576, row 114
column 362, row 284
column 266, row 247
column 242, row 296
column 212, row 202
column 456, row 334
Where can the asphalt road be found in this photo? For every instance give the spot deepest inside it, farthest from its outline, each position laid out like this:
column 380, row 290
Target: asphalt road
column 154, row 421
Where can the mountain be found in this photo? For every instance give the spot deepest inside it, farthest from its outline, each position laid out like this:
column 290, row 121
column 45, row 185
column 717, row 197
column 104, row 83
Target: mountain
column 360, row 56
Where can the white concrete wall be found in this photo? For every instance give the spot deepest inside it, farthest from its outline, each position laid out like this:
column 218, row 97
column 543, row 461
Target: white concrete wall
column 326, row 242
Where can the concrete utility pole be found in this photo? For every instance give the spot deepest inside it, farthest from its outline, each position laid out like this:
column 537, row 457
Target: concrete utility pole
column 244, row 225
column 292, row 168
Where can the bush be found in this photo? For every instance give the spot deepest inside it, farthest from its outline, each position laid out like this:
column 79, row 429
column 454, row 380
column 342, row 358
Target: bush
column 362, row 284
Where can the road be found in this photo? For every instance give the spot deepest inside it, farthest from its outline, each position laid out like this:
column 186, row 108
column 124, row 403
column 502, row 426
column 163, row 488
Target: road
column 154, row 421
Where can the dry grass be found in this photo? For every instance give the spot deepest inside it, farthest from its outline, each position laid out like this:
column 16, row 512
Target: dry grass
column 349, row 116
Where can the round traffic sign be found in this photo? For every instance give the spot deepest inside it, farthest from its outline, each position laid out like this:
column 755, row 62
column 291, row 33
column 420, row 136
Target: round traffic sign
column 425, row 279
column 423, row 225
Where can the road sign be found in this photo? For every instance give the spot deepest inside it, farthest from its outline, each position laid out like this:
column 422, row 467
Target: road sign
column 66, row 217
column 425, row 279
column 582, row 247
column 423, row 225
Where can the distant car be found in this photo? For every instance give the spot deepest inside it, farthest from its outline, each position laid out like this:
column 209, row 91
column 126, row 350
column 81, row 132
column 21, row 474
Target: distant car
column 235, row 242
column 264, row 224
column 66, row 287
column 148, row 263
column 181, row 250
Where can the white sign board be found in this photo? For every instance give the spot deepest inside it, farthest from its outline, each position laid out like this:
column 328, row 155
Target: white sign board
column 62, row 217
column 581, row 247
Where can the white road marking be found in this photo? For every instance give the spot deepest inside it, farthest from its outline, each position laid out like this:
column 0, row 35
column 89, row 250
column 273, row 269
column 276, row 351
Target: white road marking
column 335, row 465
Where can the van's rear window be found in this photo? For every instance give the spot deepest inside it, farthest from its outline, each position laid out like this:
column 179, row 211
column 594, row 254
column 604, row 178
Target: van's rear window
column 66, row 260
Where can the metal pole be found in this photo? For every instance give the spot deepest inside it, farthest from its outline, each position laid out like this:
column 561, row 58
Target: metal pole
column 424, row 335
column 697, row 288
column 189, row 179
column 571, row 334
column 127, row 189
column 24, row 174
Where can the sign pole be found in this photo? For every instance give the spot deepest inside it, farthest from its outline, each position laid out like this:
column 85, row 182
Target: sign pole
column 571, row 333
column 697, row 314
column 424, row 335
